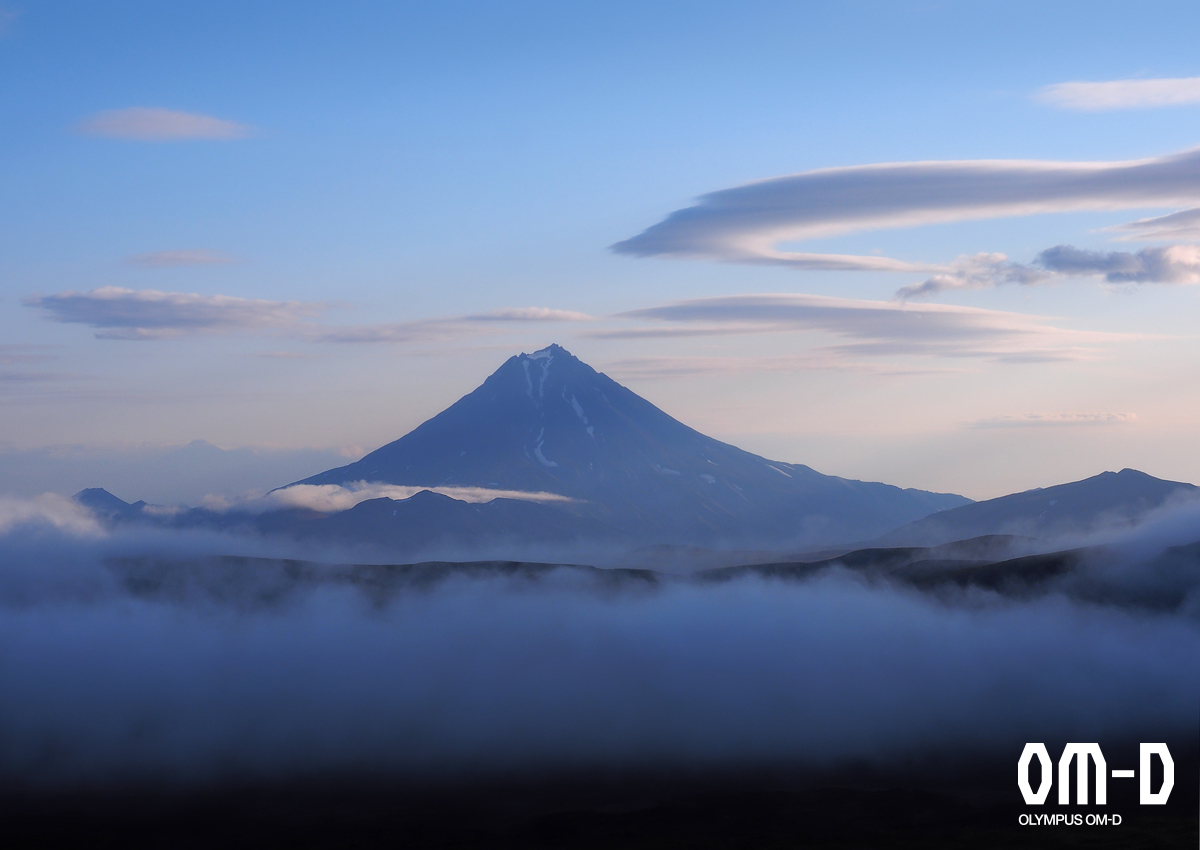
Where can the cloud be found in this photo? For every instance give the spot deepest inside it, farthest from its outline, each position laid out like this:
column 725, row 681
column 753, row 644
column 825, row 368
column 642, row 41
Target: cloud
column 1122, row 94
column 746, row 223
column 977, row 271
column 447, row 328
column 1024, row 420
column 48, row 510
column 883, row 328
column 149, row 314
column 1176, row 264
column 164, row 259
column 1172, row 264
column 12, row 353
column 8, row 17
column 831, row 359
column 529, row 314
column 160, row 125
column 1184, row 224
column 37, row 377
column 332, row 498
column 432, row 330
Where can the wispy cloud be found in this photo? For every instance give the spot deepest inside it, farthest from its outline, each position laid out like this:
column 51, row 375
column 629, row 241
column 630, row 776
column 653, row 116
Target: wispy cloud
column 164, row 259
column 446, row 328
column 1184, row 224
column 1122, row 94
column 332, row 498
column 1172, row 264
column 160, row 125
column 431, row 330
column 17, row 353
column 747, row 223
column 529, row 314
column 148, row 314
column 832, row 359
column 1026, row 420
column 37, row 377
column 887, row 328
column 977, row 271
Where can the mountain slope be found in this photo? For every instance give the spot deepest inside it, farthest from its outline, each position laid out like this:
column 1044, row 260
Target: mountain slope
column 549, row 422
column 1075, row 508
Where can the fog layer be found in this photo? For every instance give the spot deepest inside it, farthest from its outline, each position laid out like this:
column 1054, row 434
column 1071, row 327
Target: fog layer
column 558, row 670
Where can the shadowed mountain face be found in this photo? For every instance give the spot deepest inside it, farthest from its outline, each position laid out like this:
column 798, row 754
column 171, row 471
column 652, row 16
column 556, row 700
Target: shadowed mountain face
column 1106, row 500
column 549, row 422
column 107, row 506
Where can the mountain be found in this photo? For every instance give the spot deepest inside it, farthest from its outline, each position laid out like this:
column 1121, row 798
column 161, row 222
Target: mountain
column 1107, row 499
column 547, row 422
column 107, row 506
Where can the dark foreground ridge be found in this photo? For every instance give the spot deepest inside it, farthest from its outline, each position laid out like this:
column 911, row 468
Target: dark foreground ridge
column 939, row 803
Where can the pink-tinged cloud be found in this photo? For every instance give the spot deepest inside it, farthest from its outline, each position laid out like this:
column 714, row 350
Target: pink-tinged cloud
column 880, row 328
column 148, row 314
column 1026, row 420
column 148, row 124
column 167, row 259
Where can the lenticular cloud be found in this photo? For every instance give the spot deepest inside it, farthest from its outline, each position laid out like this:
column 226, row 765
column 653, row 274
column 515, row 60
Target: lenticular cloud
column 746, row 223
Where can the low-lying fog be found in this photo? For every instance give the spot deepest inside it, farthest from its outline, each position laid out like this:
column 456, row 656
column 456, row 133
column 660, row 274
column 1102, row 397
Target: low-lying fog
column 558, row 670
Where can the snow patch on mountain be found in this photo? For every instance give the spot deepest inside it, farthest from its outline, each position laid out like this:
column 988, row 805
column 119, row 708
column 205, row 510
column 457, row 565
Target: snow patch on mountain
column 537, row 450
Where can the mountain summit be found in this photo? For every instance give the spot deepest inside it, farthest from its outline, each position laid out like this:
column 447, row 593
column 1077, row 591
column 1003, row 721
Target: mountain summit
column 548, row 422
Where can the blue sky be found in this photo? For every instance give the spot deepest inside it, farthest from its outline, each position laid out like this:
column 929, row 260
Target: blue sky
column 344, row 190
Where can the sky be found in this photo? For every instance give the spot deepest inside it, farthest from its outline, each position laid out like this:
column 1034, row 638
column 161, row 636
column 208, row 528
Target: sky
column 944, row 245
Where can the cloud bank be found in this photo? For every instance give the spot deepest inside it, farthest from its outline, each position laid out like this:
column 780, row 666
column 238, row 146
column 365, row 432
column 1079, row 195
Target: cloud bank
column 221, row 676
column 160, row 125
column 149, row 314
column 1122, row 94
column 748, row 222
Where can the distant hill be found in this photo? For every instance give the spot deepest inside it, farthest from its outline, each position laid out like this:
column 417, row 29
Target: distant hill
column 430, row 519
column 1076, row 508
column 107, row 506
column 549, row 422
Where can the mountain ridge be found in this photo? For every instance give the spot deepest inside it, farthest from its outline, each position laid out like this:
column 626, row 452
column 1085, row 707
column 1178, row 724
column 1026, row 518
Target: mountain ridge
column 1076, row 507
